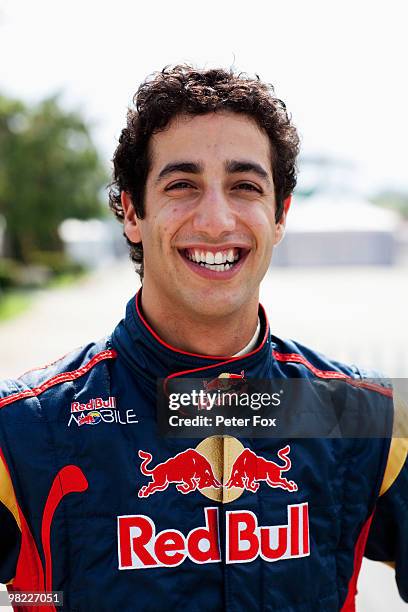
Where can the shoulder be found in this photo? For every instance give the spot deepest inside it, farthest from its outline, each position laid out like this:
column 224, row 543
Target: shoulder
column 73, row 366
column 295, row 360
column 310, row 362
column 363, row 399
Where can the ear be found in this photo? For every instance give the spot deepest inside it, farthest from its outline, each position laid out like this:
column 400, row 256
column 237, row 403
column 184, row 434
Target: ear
column 281, row 224
column 130, row 221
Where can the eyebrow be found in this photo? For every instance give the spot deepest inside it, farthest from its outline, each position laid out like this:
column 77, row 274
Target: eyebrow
column 236, row 165
column 232, row 166
column 179, row 166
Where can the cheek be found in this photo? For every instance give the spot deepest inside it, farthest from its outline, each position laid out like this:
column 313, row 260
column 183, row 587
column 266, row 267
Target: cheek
column 262, row 223
column 163, row 226
column 169, row 213
column 175, row 213
column 172, row 219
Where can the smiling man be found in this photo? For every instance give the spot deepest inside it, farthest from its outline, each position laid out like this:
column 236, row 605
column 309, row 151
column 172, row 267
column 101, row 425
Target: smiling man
column 208, row 230
column 95, row 501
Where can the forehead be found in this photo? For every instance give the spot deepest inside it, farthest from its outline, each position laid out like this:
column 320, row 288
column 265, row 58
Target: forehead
column 211, row 138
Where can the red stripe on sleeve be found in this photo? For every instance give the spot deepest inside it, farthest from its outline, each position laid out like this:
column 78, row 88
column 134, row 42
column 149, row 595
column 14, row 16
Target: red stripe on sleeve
column 330, row 374
column 350, row 603
column 59, row 378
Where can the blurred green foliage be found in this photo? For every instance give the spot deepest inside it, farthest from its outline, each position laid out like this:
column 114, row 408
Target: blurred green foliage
column 13, row 303
column 9, row 272
column 57, row 263
column 396, row 200
column 49, row 170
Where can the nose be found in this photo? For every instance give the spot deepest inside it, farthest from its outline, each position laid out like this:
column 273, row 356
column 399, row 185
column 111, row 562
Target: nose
column 214, row 215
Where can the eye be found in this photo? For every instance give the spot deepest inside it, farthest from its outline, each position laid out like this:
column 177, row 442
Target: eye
column 179, row 185
column 248, row 187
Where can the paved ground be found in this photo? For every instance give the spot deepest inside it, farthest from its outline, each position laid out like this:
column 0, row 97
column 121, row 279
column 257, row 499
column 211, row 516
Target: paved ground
column 353, row 314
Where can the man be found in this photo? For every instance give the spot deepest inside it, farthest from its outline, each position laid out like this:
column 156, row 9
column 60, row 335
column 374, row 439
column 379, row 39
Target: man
column 95, row 501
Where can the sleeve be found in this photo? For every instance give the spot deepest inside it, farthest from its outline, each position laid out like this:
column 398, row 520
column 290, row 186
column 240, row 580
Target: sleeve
column 10, row 532
column 10, row 525
column 388, row 536
column 10, row 539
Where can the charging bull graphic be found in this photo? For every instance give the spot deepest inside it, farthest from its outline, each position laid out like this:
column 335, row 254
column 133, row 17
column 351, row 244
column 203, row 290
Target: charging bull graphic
column 249, row 469
column 189, row 469
column 225, row 381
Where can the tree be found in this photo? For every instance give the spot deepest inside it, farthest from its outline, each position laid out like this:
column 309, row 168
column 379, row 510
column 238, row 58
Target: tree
column 49, row 170
column 396, row 200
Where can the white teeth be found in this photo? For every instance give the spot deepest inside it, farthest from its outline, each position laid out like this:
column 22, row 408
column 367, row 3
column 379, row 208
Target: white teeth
column 219, row 261
column 216, row 267
column 230, row 255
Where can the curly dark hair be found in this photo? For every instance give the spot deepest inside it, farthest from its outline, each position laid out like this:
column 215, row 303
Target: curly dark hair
column 184, row 90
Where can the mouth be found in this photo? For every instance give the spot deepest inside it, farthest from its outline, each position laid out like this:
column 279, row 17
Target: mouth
column 222, row 263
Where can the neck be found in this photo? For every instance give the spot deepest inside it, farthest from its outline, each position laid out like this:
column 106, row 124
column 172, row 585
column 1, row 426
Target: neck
column 203, row 335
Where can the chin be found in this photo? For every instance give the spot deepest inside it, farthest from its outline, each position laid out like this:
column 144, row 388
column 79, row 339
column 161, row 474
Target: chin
column 215, row 305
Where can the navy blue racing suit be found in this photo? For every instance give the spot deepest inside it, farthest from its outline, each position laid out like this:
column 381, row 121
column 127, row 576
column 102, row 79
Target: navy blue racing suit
column 96, row 503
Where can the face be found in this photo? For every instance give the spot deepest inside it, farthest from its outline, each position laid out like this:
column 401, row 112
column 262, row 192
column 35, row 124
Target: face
column 209, row 226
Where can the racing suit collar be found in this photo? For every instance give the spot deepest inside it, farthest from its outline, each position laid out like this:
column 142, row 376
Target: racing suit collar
column 147, row 354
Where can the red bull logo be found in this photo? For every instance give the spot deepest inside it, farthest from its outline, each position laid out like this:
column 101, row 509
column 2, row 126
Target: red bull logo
column 140, row 547
column 92, row 418
column 95, row 403
column 224, row 381
column 104, row 415
column 189, row 470
column 249, row 469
